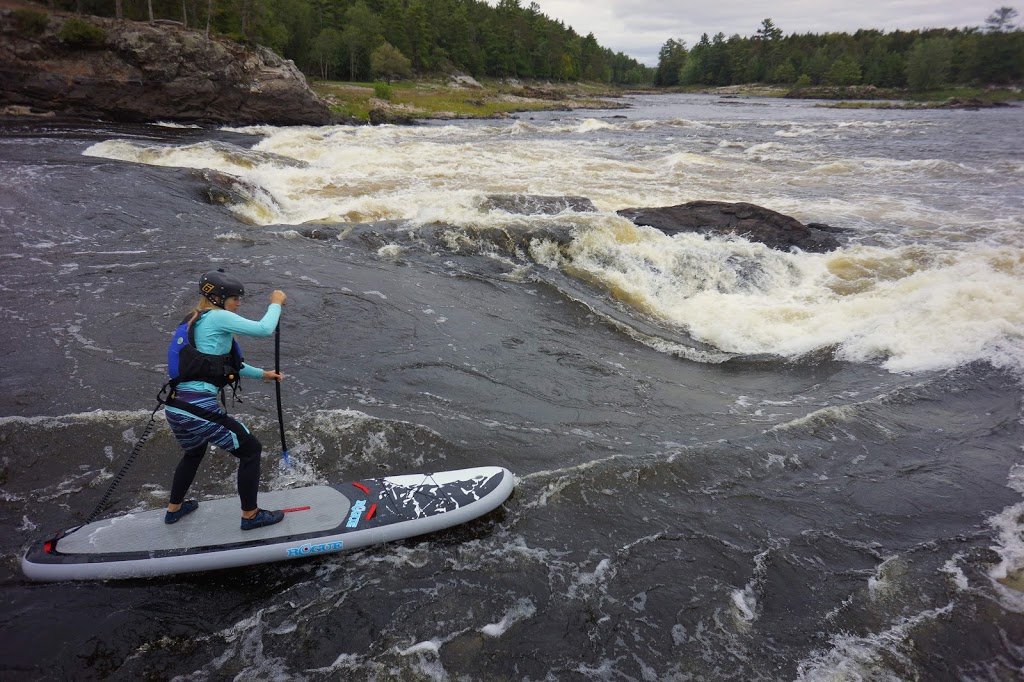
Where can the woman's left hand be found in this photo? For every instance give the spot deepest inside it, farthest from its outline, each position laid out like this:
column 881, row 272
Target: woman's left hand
column 268, row 375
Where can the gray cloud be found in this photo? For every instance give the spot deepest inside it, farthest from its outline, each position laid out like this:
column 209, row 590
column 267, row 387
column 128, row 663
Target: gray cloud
column 640, row 27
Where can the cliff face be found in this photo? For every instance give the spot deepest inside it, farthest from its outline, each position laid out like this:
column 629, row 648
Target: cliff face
column 133, row 71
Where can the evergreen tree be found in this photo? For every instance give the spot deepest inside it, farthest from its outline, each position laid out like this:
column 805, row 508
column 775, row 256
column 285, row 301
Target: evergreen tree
column 296, row 18
column 1000, row 57
column 392, row 19
column 592, row 62
column 1002, row 20
column 768, row 32
column 671, row 58
column 696, row 69
column 764, row 52
column 418, row 34
column 719, row 65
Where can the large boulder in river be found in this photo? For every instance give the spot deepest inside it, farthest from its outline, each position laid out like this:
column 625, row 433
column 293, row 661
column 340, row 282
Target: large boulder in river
column 135, row 71
column 752, row 222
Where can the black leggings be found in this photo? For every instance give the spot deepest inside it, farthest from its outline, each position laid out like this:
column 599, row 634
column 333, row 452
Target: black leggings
column 248, row 453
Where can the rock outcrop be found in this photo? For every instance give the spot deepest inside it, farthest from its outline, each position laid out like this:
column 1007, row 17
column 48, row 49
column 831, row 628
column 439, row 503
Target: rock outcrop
column 749, row 221
column 135, row 72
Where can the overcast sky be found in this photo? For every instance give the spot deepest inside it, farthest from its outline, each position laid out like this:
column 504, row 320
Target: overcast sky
column 640, row 27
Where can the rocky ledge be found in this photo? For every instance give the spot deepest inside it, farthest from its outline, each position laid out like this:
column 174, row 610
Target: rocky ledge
column 136, row 72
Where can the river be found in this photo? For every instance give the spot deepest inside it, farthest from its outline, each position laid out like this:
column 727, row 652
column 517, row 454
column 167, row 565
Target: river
column 733, row 463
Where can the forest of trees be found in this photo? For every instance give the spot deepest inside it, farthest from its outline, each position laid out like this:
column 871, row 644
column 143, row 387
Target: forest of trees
column 920, row 60
column 366, row 39
column 371, row 39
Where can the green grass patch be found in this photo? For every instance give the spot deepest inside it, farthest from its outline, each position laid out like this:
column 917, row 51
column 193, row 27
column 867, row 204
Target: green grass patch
column 895, row 98
column 437, row 99
column 961, row 93
column 860, row 104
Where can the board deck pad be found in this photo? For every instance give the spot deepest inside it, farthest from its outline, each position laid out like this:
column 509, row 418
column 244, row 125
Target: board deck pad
column 215, row 522
column 318, row 519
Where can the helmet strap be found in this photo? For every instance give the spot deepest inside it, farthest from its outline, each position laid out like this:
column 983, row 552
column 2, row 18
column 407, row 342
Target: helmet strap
column 215, row 300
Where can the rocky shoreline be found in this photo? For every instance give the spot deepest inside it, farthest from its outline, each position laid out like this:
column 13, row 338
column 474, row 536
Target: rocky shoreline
column 59, row 64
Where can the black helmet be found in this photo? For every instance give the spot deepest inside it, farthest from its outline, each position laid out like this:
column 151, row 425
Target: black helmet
column 217, row 286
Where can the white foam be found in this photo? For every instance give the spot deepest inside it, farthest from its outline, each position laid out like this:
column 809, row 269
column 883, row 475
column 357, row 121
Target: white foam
column 912, row 309
column 169, row 124
column 522, row 610
column 586, row 583
column 95, row 416
column 955, row 573
column 746, row 604
column 953, row 297
column 853, row 657
column 1008, row 575
column 392, row 251
column 592, row 124
column 744, row 601
column 430, row 646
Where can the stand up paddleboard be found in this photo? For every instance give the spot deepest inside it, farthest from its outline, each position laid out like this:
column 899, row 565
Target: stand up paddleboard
column 318, row 520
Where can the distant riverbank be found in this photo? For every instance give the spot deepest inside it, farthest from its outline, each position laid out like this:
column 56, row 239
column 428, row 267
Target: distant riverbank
column 869, row 97
column 462, row 97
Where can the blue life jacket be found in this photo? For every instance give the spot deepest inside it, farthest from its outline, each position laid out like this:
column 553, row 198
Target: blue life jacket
column 186, row 363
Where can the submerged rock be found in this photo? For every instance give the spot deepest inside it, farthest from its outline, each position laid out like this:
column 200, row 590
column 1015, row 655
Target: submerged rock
column 752, row 222
column 385, row 115
column 223, row 189
column 536, row 204
column 321, row 232
column 134, row 72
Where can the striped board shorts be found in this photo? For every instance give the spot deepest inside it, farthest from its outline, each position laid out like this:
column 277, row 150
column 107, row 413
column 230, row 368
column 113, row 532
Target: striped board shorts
column 192, row 431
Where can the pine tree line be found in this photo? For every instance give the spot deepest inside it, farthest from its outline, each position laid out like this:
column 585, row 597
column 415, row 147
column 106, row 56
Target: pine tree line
column 366, row 39
column 920, row 59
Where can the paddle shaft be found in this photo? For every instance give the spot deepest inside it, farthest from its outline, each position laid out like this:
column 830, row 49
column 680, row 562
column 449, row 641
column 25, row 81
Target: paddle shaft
column 277, row 385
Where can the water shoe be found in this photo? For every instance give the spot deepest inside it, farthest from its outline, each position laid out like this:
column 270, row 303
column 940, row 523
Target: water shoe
column 187, row 507
column 263, row 518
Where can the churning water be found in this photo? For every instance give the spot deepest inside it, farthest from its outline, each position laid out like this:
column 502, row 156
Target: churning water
column 735, row 463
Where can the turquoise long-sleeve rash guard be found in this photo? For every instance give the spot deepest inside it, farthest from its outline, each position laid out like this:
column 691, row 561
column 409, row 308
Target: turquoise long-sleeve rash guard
column 214, row 332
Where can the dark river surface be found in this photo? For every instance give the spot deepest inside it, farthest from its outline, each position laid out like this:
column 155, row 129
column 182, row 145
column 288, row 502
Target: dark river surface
column 733, row 463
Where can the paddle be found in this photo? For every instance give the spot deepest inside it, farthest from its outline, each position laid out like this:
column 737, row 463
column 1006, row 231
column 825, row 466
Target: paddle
column 280, row 414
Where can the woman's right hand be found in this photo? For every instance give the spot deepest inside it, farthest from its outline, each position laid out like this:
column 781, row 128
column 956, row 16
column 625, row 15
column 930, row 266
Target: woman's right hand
column 278, row 297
